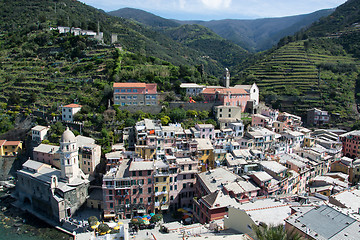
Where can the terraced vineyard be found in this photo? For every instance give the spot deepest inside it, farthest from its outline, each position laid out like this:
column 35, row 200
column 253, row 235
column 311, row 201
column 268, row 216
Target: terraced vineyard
column 302, row 75
column 53, row 81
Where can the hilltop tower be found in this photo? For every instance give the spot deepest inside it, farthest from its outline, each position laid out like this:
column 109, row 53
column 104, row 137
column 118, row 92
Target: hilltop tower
column 227, row 78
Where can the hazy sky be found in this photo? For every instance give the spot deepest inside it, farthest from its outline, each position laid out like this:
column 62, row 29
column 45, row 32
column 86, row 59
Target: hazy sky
column 218, row 9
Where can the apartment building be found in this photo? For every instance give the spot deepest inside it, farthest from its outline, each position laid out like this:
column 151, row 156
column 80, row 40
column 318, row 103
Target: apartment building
column 135, row 94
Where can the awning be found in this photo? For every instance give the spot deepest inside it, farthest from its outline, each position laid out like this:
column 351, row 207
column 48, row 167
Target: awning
column 164, row 207
column 111, row 215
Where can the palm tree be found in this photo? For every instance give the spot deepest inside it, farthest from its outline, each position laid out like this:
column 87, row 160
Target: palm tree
column 273, row 232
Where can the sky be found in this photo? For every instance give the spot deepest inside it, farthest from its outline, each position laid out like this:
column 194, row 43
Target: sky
column 218, row 9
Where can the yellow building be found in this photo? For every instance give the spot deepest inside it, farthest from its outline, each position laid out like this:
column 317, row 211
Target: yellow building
column 146, row 152
column 309, row 142
column 161, row 186
column 10, row 148
column 205, row 154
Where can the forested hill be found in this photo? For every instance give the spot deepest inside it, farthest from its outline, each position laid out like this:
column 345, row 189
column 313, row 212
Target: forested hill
column 253, row 35
column 20, row 17
column 318, row 67
column 144, row 17
column 344, row 17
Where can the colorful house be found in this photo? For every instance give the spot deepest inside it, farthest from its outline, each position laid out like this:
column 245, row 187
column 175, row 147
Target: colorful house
column 10, row 148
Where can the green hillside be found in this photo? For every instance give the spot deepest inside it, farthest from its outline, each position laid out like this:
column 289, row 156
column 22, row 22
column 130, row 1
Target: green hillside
column 305, row 74
column 203, row 39
column 144, row 17
column 20, row 17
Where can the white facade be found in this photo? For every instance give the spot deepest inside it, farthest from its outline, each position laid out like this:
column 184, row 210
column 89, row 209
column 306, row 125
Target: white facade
column 69, row 156
column 192, row 89
column 254, row 93
column 38, row 133
column 69, row 111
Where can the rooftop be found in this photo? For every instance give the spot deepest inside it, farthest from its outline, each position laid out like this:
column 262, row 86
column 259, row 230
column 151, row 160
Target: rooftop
column 46, row 148
column 204, row 144
column 140, row 166
column 72, row 105
column 214, row 179
column 39, row 128
column 273, row 166
column 268, row 211
column 325, row 222
column 262, row 176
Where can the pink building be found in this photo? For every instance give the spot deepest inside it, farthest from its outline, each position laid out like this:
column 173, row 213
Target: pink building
column 206, row 130
column 227, row 96
column 258, row 120
column 187, row 168
column 135, row 94
column 48, row 154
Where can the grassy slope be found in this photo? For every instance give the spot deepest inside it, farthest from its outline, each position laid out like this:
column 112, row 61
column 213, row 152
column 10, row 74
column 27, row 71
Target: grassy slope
column 289, row 77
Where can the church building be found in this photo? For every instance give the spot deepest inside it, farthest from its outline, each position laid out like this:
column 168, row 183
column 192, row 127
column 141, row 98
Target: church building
column 53, row 193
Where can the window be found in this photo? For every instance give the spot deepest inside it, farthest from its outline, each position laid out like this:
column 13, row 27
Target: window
column 110, row 198
column 184, row 185
column 156, row 189
column 172, row 198
column 140, row 173
column 128, row 90
column 171, row 179
column 128, row 97
column 135, row 90
column 133, row 174
column 171, row 187
column 175, row 187
column 149, row 180
column 122, row 90
column 111, row 205
column 110, row 191
column 134, row 191
column 134, row 201
column 153, row 97
column 123, row 97
column 147, row 97
column 141, row 200
column 149, row 199
column 140, row 190
column 134, row 97
column 156, row 179
column 164, row 179
column 149, row 173
column 149, row 190
column 117, row 90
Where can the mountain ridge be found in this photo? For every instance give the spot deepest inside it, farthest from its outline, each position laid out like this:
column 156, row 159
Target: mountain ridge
column 253, row 35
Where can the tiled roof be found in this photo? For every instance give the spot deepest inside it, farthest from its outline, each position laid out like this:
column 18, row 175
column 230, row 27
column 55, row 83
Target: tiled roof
column 12, row 143
column 129, row 85
column 73, row 105
column 224, row 91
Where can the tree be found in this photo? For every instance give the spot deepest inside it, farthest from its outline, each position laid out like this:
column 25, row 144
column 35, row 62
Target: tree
column 272, row 232
column 92, row 220
column 103, row 228
column 165, row 120
column 156, row 218
column 203, row 114
column 177, row 114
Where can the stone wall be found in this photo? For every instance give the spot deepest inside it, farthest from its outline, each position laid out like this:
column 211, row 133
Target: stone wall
column 193, row 106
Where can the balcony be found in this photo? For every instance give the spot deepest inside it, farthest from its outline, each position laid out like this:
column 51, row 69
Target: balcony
column 161, row 173
column 160, row 193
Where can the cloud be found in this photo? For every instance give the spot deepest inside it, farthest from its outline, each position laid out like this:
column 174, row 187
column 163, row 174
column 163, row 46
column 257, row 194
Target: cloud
column 216, row 4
